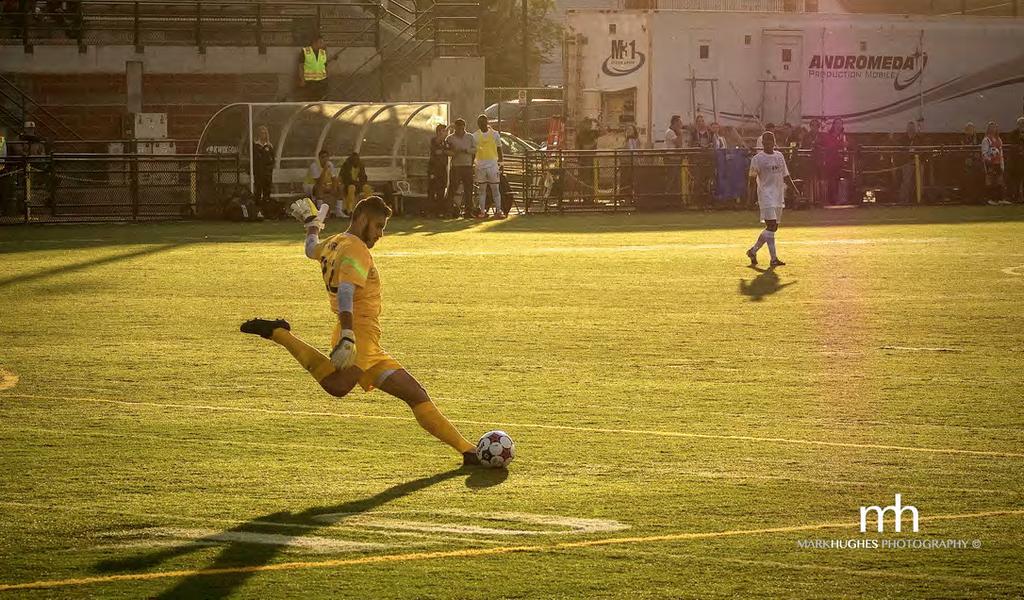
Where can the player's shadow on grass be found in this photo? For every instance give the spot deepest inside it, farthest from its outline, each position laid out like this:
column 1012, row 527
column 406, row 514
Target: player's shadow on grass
column 765, row 284
column 238, row 561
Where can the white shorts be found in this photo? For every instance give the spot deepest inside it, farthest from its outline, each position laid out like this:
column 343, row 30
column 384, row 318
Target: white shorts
column 771, row 213
column 488, row 174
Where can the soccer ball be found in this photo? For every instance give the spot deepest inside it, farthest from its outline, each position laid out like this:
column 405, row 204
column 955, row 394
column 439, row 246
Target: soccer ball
column 495, row 449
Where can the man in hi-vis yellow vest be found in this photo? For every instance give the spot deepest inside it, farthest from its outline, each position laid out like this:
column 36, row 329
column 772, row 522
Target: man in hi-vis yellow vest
column 313, row 71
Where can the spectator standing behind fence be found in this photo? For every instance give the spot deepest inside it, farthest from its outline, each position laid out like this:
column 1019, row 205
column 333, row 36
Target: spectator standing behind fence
column 632, row 138
column 995, row 164
column 1015, row 166
column 674, row 162
column 437, row 171
column 674, row 133
column 718, row 141
column 313, row 71
column 908, row 170
column 488, row 166
column 7, row 204
column 834, row 146
column 353, row 182
column 322, row 180
column 812, row 141
column 701, row 167
column 586, row 139
column 700, row 136
column 972, row 177
column 263, row 172
column 461, row 148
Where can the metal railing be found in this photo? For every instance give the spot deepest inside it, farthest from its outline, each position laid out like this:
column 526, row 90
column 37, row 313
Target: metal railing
column 17, row 107
column 118, row 187
column 627, row 180
column 198, row 23
column 716, row 5
column 202, row 23
column 444, row 29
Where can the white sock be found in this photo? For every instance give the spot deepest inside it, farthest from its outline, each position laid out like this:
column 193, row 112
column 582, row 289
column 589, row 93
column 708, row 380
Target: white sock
column 482, row 197
column 761, row 239
column 771, row 244
column 496, row 193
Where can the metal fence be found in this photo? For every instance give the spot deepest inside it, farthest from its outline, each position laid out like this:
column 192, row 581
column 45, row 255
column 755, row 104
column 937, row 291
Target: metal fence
column 629, row 180
column 116, row 187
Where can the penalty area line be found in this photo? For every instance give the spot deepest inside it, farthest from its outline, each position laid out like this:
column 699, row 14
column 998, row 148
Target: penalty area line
column 644, row 432
column 467, row 553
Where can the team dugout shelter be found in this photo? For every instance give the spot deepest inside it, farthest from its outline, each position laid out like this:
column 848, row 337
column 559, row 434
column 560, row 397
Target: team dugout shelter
column 392, row 139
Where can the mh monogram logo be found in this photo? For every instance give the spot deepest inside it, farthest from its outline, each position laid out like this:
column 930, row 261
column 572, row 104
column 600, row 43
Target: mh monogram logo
column 898, row 509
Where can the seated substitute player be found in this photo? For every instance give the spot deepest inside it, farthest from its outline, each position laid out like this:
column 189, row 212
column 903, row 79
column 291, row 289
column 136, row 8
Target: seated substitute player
column 353, row 285
column 769, row 169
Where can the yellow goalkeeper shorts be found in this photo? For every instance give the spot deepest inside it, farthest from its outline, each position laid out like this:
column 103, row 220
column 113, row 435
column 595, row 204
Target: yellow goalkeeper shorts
column 370, row 357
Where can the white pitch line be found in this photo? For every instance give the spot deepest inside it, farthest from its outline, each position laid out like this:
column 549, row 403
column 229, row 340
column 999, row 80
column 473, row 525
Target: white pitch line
column 917, row 349
column 255, row 523
column 521, row 251
column 643, row 467
column 641, row 432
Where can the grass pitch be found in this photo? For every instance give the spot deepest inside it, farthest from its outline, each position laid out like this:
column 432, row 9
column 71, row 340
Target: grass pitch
column 686, row 426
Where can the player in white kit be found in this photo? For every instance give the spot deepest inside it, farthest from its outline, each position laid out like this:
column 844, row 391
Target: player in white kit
column 769, row 169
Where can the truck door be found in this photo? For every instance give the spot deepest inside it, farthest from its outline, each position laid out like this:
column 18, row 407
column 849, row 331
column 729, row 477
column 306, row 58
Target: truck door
column 782, row 62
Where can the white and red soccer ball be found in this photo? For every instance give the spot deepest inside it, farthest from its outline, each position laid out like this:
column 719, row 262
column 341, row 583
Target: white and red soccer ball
column 495, row 449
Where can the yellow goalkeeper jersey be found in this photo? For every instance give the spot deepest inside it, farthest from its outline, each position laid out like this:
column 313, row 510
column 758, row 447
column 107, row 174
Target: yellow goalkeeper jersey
column 345, row 258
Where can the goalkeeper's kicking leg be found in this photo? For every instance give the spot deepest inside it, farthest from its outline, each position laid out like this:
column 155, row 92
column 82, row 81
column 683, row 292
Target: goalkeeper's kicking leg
column 336, row 382
column 339, row 382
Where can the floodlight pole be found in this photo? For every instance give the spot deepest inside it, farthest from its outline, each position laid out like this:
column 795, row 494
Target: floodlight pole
column 524, row 131
column 526, row 44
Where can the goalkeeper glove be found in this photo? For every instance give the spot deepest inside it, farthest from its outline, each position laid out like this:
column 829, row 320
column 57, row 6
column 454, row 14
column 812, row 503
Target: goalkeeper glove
column 344, row 354
column 306, row 212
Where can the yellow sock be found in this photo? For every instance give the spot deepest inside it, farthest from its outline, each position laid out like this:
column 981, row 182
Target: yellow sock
column 438, row 426
column 318, row 365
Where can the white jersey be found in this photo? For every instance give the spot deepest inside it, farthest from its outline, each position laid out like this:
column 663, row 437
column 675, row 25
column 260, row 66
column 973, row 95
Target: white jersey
column 771, row 173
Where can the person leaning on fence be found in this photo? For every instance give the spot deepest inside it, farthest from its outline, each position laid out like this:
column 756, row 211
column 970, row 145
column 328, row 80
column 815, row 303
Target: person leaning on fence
column 353, row 182
column 908, row 167
column 263, row 173
column 461, row 147
column 321, row 182
column 437, row 171
column 995, row 164
column 313, row 71
column 1015, row 164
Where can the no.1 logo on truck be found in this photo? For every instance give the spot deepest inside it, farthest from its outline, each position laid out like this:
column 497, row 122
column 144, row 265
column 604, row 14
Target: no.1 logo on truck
column 623, row 59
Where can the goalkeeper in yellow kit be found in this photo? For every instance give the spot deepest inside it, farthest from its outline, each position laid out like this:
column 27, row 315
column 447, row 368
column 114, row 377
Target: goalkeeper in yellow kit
column 353, row 284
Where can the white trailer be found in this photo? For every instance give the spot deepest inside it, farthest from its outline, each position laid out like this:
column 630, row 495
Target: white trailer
column 744, row 70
